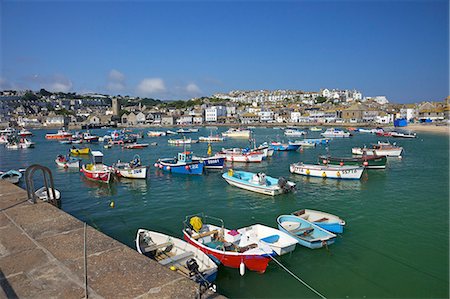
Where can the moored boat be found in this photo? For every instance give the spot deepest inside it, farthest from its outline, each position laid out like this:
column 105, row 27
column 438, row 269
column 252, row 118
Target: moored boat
column 12, row 176
column 61, row 134
column 88, row 137
column 307, row 233
column 380, row 149
column 258, row 182
column 97, row 171
column 24, row 133
column 303, row 143
column 334, row 132
column 328, row 171
column 231, row 247
column 213, row 162
column 67, row 162
column 136, row 145
column 3, row 139
column 155, row 133
column 211, row 139
column 45, row 195
column 79, row 151
column 183, row 164
column 278, row 146
column 131, row 170
column 403, row 135
column 327, row 221
column 367, row 161
column 171, row 132
column 239, row 155
column 181, row 141
column 315, row 129
column 237, row 133
column 177, row 254
column 294, row 133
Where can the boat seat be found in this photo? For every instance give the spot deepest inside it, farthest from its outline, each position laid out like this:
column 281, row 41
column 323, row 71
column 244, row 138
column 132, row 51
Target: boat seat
column 321, row 219
column 205, row 234
column 305, row 230
column 176, row 258
column 154, row 247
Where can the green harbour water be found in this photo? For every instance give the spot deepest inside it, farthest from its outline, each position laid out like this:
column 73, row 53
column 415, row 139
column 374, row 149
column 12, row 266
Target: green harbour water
column 395, row 244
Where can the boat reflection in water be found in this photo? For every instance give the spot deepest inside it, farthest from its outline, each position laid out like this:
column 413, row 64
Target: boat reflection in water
column 98, row 189
column 332, row 184
column 140, row 186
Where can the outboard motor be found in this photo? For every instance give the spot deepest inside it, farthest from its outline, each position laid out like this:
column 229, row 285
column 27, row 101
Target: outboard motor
column 193, row 267
column 283, row 183
column 194, row 271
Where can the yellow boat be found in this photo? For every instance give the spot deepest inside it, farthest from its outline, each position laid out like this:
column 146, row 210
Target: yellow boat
column 79, row 151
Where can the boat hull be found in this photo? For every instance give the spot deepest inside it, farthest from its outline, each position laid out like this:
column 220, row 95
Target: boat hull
column 68, row 164
column 369, row 162
column 272, row 189
column 332, row 172
column 80, row 151
column 133, row 173
column 327, row 221
column 285, row 147
column 211, row 162
column 194, row 168
column 379, row 152
column 102, row 176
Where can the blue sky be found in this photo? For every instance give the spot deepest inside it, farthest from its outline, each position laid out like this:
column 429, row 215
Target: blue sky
column 177, row 50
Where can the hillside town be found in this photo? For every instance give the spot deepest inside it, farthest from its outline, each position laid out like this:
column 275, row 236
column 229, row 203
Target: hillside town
column 327, row 106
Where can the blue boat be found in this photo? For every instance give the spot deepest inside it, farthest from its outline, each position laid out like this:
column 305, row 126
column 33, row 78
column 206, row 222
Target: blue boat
column 278, row 146
column 12, row 176
column 214, row 162
column 182, row 164
column 327, row 221
column 307, row 233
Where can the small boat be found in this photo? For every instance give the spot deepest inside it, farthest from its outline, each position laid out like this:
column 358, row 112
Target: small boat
column 231, row 247
column 67, row 162
column 369, row 162
column 155, row 133
column 294, row 133
column 183, row 164
column 131, row 170
column 177, row 254
column 76, row 141
column 303, row 143
column 43, row 195
column 380, row 149
column 317, row 140
column 213, row 162
column 278, row 146
column 193, row 130
column 403, row 135
column 24, row 133
column 61, row 134
column 237, row 155
column 384, row 133
column 97, row 171
column 186, row 131
column 88, row 137
column 237, row 133
column 182, row 141
column 79, row 151
column 334, row 132
column 315, row 129
column 8, row 131
column 258, row 182
column 307, row 233
column 68, row 141
column 3, row 139
column 154, row 143
column 265, row 149
column 136, row 146
column 329, row 222
column 211, row 139
column 171, row 132
column 12, row 176
column 328, row 171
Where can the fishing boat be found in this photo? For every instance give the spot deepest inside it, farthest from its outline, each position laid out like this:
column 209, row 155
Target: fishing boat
column 136, row 146
column 183, row 164
column 328, row 171
column 303, row 143
column 237, row 133
column 307, row 233
column 265, row 149
column 317, row 140
column 294, row 133
column 278, row 146
column 171, row 132
column 45, row 195
column 155, row 133
column 177, row 255
column 67, row 161
column 3, row 139
column 403, row 135
column 79, row 151
column 329, row 222
column 369, row 162
column 315, row 129
column 240, row 155
column 258, row 182
column 61, row 134
column 131, row 170
column 210, row 138
column 384, row 133
column 211, row 162
column 97, row 171
column 334, row 132
column 8, row 131
column 88, row 137
column 231, row 247
column 24, row 133
column 380, row 149
column 182, row 141
column 12, row 176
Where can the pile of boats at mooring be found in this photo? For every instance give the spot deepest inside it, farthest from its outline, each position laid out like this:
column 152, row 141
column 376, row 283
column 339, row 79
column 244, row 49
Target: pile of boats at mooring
column 208, row 243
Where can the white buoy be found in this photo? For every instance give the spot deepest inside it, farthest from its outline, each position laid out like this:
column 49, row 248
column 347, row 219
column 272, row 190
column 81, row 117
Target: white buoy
column 242, row 269
column 400, row 157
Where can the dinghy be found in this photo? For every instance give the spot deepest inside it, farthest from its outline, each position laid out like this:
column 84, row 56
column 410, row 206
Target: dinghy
column 131, row 170
column 329, row 222
column 334, row 132
column 278, row 146
column 369, row 162
column 155, row 133
column 97, row 171
column 231, row 247
column 79, row 151
column 380, row 149
column 177, row 254
column 307, row 233
column 43, row 195
column 12, row 176
column 67, row 162
column 258, row 182
column 328, row 171
column 136, row 146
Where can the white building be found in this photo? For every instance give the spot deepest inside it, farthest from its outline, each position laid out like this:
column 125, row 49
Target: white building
column 295, row 117
column 214, row 112
column 408, row 113
column 265, row 116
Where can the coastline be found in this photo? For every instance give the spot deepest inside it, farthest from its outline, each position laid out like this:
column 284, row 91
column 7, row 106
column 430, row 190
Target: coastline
column 430, row 128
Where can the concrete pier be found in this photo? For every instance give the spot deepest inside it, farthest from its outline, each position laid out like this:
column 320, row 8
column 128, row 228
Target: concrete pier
column 42, row 256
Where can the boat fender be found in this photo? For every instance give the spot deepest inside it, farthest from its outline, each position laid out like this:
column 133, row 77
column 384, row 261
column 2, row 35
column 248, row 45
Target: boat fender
column 308, row 172
column 324, row 175
column 168, row 167
column 324, row 161
column 242, row 269
column 156, row 165
column 112, row 204
column 341, row 164
column 230, row 172
column 338, row 174
column 365, row 163
column 186, row 167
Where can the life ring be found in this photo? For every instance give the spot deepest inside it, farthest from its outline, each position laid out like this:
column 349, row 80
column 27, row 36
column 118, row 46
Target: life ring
column 308, row 172
column 341, row 163
column 324, row 175
column 338, row 174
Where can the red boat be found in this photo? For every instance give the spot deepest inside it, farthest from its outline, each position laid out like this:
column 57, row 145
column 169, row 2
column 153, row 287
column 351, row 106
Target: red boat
column 136, row 145
column 223, row 245
column 97, row 171
column 24, row 133
column 385, row 134
column 62, row 134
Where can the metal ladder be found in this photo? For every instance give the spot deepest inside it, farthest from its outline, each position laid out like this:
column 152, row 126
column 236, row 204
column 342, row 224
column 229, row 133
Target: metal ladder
column 48, row 184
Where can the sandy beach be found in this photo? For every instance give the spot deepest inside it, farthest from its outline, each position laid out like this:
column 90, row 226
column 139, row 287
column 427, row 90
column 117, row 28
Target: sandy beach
column 442, row 129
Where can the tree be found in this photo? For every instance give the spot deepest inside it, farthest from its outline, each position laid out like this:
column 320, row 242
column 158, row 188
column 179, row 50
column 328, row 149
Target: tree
column 29, row 96
column 44, row 93
column 321, row 99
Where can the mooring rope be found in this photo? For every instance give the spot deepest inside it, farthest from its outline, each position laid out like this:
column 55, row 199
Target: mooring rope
column 298, row 278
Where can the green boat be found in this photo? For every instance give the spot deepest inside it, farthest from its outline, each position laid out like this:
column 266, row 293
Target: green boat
column 369, row 162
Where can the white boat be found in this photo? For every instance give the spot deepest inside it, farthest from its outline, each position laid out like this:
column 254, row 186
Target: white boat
column 294, row 133
column 258, row 182
column 67, row 162
column 265, row 149
column 303, row 143
column 182, row 141
column 42, row 194
column 327, row 221
column 171, row 132
column 176, row 254
column 22, row 143
column 3, row 139
column 315, row 129
column 211, row 139
column 333, row 132
column 328, row 171
column 131, row 170
column 156, row 133
column 8, row 131
column 12, row 176
column 239, row 155
column 380, row 149
column 24, row 133
column 237, row 133
column 403, row 135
